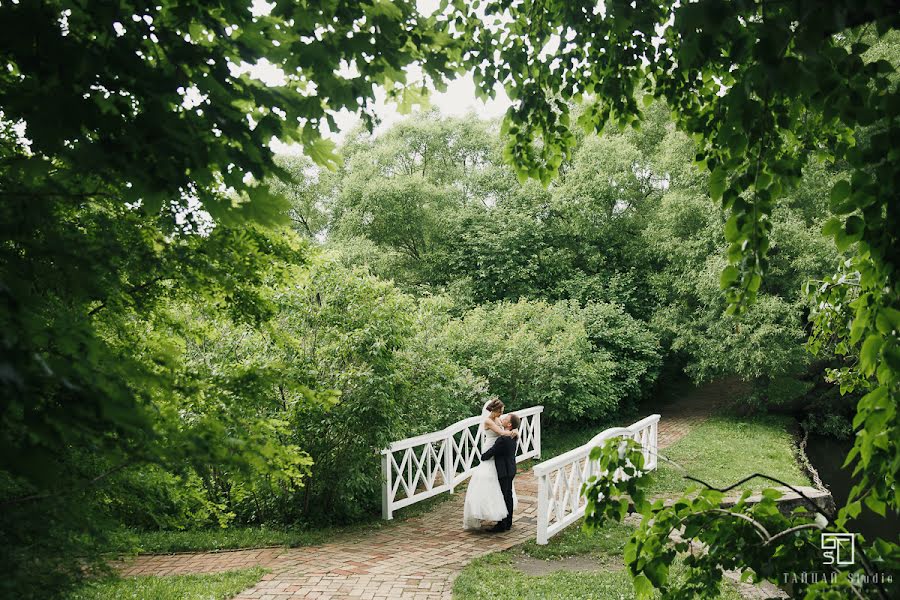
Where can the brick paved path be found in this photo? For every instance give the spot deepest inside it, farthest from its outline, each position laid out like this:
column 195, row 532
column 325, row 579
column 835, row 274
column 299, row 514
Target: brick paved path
column 417, row 558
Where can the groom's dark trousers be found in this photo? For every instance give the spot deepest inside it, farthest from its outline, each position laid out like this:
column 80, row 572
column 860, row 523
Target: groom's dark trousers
column 504, row 454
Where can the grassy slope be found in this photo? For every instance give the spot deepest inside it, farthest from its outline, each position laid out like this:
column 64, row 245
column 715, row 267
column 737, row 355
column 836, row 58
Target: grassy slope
column 216, row 586
column 496, row 577
column 725, row 449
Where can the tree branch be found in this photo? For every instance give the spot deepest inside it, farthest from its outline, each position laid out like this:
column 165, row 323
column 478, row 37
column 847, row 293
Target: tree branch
column 867, row 564
column 133, row 290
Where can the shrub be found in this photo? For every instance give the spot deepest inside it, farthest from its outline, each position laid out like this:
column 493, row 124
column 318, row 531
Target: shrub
column 635, row 348
column 378, row 349
column 532, row 352
column 349, row 326
column 153, row 498
column 438, row 390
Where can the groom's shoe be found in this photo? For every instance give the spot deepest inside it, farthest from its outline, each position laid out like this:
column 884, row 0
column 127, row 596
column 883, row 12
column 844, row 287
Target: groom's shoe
column 498, row 528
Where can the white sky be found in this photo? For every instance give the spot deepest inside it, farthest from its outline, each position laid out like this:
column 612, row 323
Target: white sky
column 458, row 100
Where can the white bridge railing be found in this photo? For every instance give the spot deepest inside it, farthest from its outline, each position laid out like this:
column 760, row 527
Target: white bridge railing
column 560, row 479
column 418, row 468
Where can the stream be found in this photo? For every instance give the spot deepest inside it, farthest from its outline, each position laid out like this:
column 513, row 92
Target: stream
column 827, row 455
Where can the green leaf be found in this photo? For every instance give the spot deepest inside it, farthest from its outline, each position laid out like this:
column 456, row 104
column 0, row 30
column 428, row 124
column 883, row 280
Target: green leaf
column 868, row 355
column 843, row 240
column 858, row 328
column 411, row 96
column 643, row 589
column 729, row 276
column 832, row 226
column 732, row 231
column 717, row 184
column 888, row 320
column 839, row 194
column 657, row 572
column 322, row 152
column 754, row 283
column 772, row 494
column 854, row 227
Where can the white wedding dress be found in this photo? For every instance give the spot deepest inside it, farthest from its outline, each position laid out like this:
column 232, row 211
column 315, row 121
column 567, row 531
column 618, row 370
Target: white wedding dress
column 484, row 498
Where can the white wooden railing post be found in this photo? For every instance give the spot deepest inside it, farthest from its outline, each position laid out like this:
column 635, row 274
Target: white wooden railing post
column 568, row 472
column 537, row 435
column 449, row 469
column 386, row 513
column 543, row 516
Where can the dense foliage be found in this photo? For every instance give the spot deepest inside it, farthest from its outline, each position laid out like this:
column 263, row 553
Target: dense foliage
column 133, row 163
column 533, row 353
column 196, row 332
column 627, row 229
column 760, row 86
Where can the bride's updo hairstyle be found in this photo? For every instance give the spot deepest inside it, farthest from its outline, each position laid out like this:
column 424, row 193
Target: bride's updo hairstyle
column 495, row 405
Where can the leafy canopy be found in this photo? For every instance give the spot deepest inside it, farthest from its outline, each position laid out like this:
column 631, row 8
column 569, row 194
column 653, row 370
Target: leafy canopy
column 134, row 166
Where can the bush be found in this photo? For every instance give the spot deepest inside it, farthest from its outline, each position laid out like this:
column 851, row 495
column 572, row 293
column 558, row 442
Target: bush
column 633, row 345
column 348, row 326
column 438, row 390
column 153, row 498
column 532, row 352
column 375, row 346
column 348, row 364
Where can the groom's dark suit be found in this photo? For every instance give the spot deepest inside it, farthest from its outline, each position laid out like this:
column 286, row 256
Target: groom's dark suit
column 504, row 454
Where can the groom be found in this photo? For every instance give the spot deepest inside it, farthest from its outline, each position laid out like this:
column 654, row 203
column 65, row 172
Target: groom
column 504, row 454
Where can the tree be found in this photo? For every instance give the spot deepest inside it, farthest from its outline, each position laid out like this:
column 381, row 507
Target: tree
column 760, row 85
column 407, row 191
column 579, row 363
column 307, row 191
column 133, row 170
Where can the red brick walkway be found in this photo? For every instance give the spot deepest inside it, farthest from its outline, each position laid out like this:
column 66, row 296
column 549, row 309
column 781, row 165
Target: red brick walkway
column 416, row 559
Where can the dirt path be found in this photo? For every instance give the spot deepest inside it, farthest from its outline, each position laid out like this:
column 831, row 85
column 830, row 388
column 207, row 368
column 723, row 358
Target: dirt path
column 417, row 558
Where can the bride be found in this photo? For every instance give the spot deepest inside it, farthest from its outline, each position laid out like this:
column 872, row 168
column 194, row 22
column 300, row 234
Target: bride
column 484, row 499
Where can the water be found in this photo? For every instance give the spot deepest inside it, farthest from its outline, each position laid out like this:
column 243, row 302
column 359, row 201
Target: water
column 827, row 455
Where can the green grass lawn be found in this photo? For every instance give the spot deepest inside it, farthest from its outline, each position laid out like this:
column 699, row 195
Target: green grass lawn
column 725, row 449
column 574, row 541
column 215, row 586
column 497, row 577
column 234, row 538
column 164, row 542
